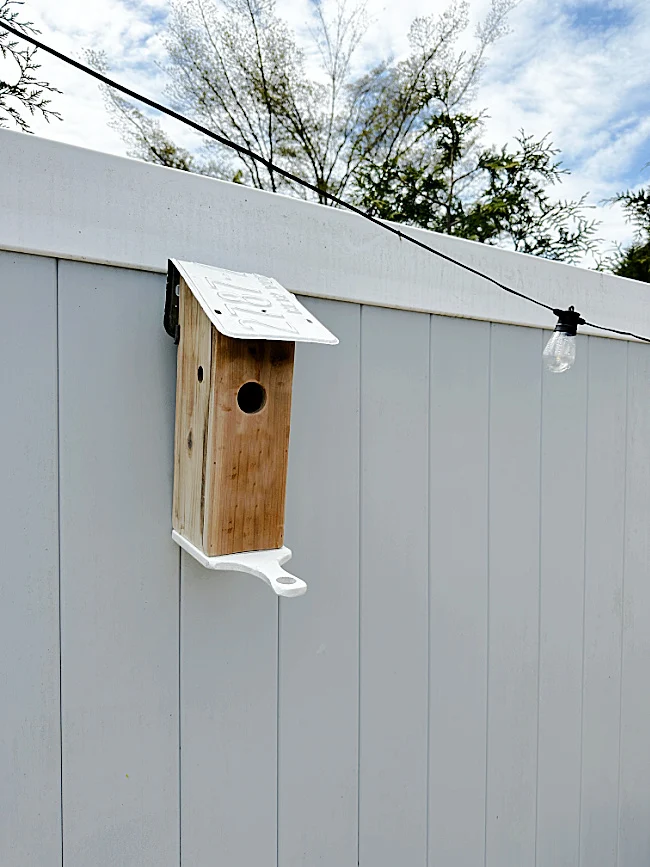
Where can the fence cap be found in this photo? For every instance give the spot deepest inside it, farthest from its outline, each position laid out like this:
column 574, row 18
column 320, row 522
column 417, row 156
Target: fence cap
column 242, row 305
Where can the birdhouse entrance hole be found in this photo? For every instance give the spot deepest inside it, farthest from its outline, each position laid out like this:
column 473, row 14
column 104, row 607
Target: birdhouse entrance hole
column 251, row 397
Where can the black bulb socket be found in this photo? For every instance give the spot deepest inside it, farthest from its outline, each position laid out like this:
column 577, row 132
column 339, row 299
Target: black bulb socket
column 568, row 321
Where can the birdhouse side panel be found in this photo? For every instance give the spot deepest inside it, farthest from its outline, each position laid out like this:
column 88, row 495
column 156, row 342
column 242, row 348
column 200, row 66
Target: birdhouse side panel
column 248, row 444
column 192, row 414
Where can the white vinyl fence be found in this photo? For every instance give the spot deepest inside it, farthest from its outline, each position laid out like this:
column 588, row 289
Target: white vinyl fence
column 466, row 681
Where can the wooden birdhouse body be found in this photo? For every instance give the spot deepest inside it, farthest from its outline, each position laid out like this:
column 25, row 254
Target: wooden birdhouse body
column 233, row 416
column 233, row 406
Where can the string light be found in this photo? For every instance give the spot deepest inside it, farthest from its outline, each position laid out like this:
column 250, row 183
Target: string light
column 559, row 353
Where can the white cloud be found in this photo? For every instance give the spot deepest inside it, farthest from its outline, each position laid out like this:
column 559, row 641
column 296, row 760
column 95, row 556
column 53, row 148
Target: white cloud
column 132, row 44
column 588, row 86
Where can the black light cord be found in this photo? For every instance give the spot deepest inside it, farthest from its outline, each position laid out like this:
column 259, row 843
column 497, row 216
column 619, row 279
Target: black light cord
column 288, row 175
column 617, row 331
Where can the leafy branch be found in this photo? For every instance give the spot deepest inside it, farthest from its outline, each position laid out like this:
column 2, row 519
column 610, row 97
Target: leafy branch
column 27, row 91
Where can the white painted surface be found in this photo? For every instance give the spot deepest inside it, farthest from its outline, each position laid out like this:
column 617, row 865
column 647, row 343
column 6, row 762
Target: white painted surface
column 140, row 215
column 394, row 578
column 513, row 600
column 458, row 574
column 247, row 306
column 604, row 556
column 30, row 739
column 561, row 616
column 229, row 720
column 634, row 770
column 266, row 565
column 119, row 571
column 514, row 508
column 318, row 698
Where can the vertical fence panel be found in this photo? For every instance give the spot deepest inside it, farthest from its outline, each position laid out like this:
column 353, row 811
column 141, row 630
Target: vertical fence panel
column 229, row 642
column 634, row 816
column 30, row 745
column 562, row 564
column 119, row 571
column 604, row 540
column 319, row 633
column 460, row 368
column 393, row 588
column 524, row 709
column 514, row 505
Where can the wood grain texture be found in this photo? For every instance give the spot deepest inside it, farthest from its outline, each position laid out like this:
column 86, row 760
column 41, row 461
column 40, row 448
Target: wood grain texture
column 604, row 555
column 247, row 453
column 458, row 610
column 119, row 571
column 394, row 588
column 30, row 741
column 192, row 414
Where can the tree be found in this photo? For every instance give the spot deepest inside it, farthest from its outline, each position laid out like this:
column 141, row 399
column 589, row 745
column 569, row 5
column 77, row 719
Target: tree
column 396, row 138
column 240, row 72
column 492, row 196
column 634, row 261
column 23, row 90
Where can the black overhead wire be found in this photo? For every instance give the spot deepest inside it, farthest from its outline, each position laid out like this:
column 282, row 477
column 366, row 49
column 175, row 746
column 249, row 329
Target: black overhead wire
column 617, row 331
column 288, row 175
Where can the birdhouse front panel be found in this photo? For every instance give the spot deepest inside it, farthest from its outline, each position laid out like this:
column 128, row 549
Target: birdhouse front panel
column 233, row 416
column 248, row 444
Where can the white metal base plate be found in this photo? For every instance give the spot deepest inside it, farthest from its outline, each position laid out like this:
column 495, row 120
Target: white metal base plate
column 266, row 565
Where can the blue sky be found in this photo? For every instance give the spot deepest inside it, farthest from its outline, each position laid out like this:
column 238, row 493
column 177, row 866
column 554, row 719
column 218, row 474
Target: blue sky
column 600, row 17
column 576, row 69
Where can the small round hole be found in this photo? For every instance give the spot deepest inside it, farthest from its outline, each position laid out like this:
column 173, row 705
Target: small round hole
column 218, row 312
column 263, row 311
column 251, row 397
column 285, row 579
column 199, row 374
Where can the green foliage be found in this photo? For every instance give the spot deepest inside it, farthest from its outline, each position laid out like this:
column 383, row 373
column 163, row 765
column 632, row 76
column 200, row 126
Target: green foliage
column 23, row 90
column 238, row 70
column 495, row 197
column 634, row 261
column 397, row 139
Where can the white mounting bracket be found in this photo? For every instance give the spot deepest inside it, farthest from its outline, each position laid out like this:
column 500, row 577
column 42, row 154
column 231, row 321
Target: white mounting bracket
column 266, row 565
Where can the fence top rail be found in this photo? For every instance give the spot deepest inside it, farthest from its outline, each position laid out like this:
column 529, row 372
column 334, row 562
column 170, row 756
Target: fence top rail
column 73, row 203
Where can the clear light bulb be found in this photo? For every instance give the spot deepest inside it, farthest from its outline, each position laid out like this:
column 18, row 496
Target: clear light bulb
column 560, row 352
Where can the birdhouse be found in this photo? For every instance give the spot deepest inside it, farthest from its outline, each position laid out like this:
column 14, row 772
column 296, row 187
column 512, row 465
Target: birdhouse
column 236, row 335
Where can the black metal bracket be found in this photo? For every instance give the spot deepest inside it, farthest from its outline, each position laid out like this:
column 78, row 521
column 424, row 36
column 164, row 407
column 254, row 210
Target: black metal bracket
column 172, row 295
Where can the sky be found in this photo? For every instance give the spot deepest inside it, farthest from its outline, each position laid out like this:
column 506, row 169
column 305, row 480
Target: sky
column 575, row 69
